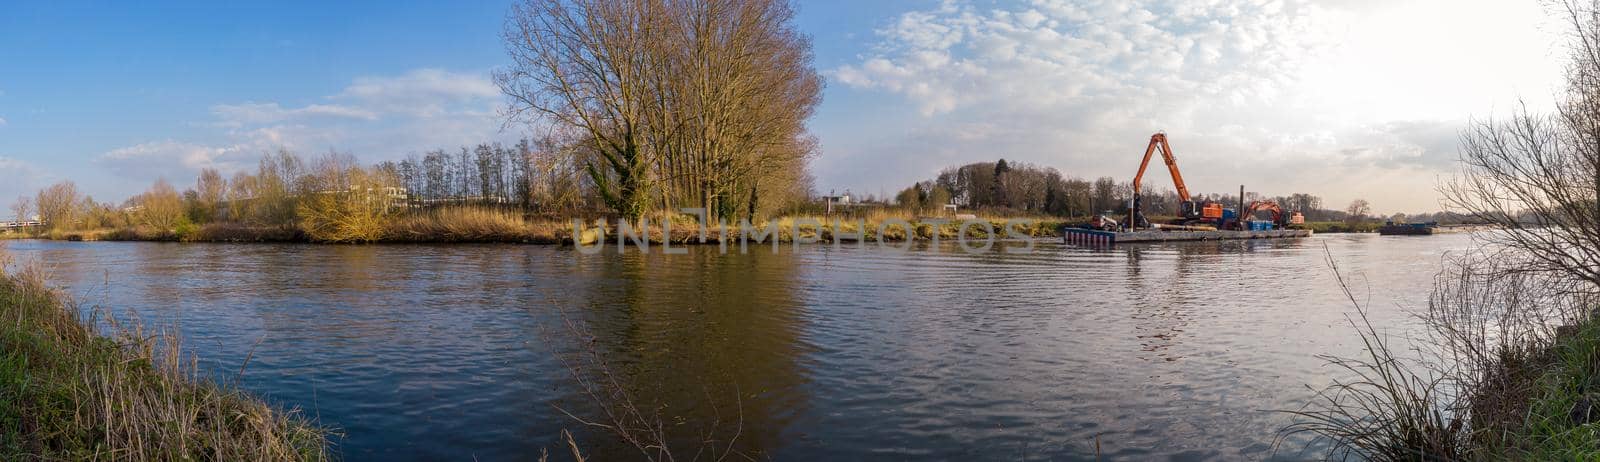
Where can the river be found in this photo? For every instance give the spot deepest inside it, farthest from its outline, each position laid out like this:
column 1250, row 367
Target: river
column 1165, row 351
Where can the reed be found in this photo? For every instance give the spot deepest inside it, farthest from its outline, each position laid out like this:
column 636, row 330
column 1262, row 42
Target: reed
column 471, row 224
column 238, row 232
column 72, row 391
column 1506, row 371
column 1385, row 408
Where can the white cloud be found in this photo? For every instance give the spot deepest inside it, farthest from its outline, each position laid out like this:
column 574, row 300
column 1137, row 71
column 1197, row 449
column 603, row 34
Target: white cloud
column 1282, row 95
column 3, row 121
column 423, row 83
column 256, row 113
column 374, row 117
column 11, row 165
column 422, row 92
column 184, row 154
column 175, row 161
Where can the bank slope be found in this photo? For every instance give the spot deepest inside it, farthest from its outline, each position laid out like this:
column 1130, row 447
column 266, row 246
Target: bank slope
column 70, row 392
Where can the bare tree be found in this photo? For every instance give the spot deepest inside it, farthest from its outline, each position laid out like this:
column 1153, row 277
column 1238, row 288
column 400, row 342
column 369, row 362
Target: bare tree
column 22, row 208
column 241, row 190
column 211, row 190
column 160, row 206
column 1105, row 194
column 344, row 202
column 750, row 87
column 1537, row 176
column 583, row 64
column 58, row 205
column 703, row 102
column 1357, row 210
column 278, row 179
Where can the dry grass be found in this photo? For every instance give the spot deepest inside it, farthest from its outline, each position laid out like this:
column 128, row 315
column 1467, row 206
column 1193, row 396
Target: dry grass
column 472, row 224
column 68, row 392
column 14, row 234
column 84, row 235
column 236, row 232
column 1509, row 360
column 466, row 224
column 1388, row 409
column 210, row 232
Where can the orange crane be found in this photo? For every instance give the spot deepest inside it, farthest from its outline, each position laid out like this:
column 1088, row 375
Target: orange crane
column 1279, row 218
column 1191, row 211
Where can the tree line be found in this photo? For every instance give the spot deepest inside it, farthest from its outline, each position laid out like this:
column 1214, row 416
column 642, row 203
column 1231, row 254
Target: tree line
column 333, row 193
column 1018, row 187
column 536, row 177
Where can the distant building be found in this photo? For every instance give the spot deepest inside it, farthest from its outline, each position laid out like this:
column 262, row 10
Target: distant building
column 21, row 224
column 841, row 200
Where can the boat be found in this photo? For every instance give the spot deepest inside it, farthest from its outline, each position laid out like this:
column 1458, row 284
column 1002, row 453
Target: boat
column 1408, row 229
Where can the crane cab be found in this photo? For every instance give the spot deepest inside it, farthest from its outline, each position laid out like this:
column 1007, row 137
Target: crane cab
column 1204, row 211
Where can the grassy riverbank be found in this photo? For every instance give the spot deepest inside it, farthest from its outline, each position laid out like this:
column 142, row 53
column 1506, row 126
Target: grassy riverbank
column 487, row 225
column 479, row 225
column 1508, row 369
column 70, row 392
column 1546, row 405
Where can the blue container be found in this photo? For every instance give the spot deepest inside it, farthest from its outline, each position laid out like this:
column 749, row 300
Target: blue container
column 1260, row 226
column 1228, row 214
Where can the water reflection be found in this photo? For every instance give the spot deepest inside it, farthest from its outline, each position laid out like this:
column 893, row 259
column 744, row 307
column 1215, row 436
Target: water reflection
column 447, row 352
column 709, row 340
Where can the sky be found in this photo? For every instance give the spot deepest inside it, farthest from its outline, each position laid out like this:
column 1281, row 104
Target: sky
column 1343, row 99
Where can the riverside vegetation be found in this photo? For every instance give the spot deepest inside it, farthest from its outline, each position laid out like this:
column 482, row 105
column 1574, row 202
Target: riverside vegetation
column 72, row 391
column 528, row 194
column 488, row 225
column 1508, row 367
column 477, row 198
column 334, row 199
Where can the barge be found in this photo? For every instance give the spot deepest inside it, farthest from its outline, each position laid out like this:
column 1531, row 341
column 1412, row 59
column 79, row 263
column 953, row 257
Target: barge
column 1408, row 229
column 1090, row 237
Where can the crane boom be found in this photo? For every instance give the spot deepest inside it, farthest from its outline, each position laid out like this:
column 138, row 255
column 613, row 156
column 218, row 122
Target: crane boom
column 1159, row 142
column 1191, row 212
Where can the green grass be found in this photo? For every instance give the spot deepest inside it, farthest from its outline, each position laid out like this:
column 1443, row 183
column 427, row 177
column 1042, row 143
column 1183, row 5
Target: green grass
column 1563, row 416
column 1532, row 404
column 72, row 392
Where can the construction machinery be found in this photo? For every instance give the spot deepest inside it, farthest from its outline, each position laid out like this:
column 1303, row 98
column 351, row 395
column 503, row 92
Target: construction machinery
column 1192, row 213
column 1280, row 219
column 1199, row 215
column 1104, row 222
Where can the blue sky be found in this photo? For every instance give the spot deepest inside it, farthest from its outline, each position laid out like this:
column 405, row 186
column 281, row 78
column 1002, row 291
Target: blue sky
column 84, row 79
column 81, row 79
column 1344, row 98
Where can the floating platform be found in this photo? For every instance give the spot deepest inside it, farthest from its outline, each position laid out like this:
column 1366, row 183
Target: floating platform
column 1406, row 230
column 1094, row 238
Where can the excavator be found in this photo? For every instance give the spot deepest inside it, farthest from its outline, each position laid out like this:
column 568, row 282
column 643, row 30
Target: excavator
column 1279, row 218
column 1192, row 212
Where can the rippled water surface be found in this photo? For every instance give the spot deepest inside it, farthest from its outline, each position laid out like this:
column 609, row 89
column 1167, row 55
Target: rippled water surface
column 1172, row 351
